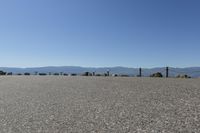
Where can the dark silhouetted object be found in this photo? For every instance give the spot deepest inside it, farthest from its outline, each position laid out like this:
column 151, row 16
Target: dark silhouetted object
column 140, row 72
column 105, row 74
column 27, row 74
column 2, row 73
column 56, row 74
column 124, row 75
column 10, row 73
column 87, row 74
column 183, row 76
column 73, row 74
column 158, row 74
column 115, row 75
column 42, row 74
column 167, row 72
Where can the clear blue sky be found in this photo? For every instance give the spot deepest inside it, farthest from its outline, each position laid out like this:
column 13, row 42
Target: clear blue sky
column 96, row 33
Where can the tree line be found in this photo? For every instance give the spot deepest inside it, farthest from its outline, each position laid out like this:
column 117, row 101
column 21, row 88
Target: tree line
column 157, row 74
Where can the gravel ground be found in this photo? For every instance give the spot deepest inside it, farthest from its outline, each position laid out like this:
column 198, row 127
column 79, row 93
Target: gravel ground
column 55, row 104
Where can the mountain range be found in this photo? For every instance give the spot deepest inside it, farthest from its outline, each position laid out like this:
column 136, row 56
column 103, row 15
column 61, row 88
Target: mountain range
column 191, row 71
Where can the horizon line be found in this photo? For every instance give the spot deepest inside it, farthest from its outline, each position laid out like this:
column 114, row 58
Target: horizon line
column 100, row 67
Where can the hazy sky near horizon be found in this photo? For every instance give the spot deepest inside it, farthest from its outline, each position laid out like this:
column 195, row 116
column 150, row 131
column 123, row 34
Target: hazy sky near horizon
column 132, row 33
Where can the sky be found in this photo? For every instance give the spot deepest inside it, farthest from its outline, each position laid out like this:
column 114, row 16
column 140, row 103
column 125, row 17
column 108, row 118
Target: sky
column 100, row 33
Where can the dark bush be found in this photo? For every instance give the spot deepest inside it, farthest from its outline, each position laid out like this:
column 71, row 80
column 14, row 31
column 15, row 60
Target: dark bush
column 56, row 74
column 87, row 74
column 2, row 73
column 73, row 74
column 124, row 75
column 114, row 75
column 158, row 74
column 183, row 76
column 27, row 74
column 42, row 74
column 105, row 74
column 10, row 73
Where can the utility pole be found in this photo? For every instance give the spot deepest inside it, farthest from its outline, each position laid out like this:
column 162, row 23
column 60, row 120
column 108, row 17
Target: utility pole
column 167, row 72
column 140, row 72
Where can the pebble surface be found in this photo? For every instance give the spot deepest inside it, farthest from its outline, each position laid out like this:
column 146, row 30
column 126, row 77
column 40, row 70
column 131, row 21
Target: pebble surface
column 58, row 104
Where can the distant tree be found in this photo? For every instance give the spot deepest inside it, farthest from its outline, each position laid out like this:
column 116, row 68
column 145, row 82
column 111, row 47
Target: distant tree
column 87, row 74
column 10, row 73
column 105, row 74
column 73, row 74
column 42, row 74
column 124, row 75
column 19, row 74
column 56, row 74
column 65, row 74
column 114, row 75
column 27, row 74
column 183, row 76
column 2, row 73
column 158, row 74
